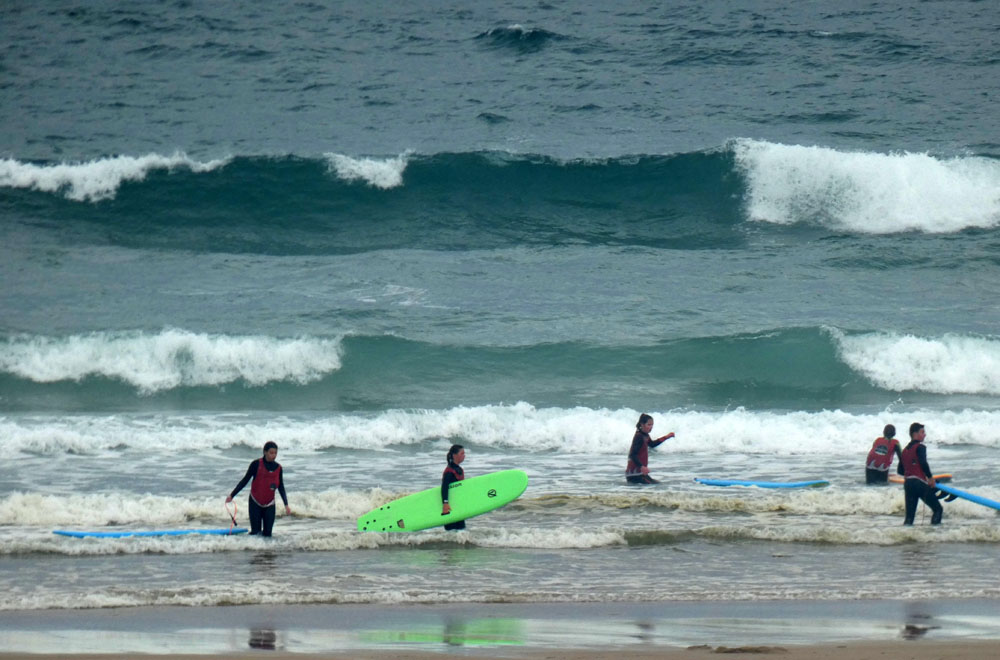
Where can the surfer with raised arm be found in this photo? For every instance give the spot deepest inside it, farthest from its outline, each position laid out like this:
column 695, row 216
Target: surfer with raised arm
column 880, row 456
column 637, row 470
column 919, row 480
column 267, row 477
column 452, row 473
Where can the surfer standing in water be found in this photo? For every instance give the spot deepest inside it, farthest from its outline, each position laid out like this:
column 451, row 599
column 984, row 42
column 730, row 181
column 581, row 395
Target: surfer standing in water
column 637, row 470
column 452, row 473
column 919, row 483
column 267, row 477
column 880, row 456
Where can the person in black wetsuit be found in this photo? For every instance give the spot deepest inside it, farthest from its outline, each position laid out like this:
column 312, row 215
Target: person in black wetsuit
column 268, row 477
column 452, row 473
column 919, row 483
column 637, row 470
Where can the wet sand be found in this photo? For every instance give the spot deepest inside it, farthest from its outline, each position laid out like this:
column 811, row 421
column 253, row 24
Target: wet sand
column 857, row 651
column 883, row 630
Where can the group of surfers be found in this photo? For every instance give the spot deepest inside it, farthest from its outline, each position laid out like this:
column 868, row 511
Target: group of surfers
column 267, row 480
column 918, row 480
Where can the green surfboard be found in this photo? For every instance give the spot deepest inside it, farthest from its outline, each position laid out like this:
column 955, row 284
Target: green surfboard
column 467, row 498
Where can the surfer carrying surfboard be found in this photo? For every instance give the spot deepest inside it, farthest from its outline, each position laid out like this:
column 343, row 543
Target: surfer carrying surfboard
column 637, row 470
column 919, row 483
column 267, row 477
column 880, row 456
column 452, row 473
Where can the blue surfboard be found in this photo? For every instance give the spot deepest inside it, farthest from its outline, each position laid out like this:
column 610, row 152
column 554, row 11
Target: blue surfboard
column 764, row 484
column 155, row 532
column 978, row 499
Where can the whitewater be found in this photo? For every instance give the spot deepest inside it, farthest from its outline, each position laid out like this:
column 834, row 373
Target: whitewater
column 369, row 234
column 861, row 191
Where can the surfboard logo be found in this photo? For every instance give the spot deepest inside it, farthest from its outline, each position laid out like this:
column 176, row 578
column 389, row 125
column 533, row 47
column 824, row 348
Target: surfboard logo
column 491, row 492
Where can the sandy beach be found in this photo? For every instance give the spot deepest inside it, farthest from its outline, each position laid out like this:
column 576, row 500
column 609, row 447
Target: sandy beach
column 856, row 651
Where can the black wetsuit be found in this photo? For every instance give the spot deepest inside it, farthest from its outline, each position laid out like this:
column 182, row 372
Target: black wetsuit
column 261, row 517
column 638, row 457
column 452, row 473
column 915, row 488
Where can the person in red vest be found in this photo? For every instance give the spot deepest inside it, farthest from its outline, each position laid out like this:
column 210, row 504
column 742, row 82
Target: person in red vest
column 267, row 478
column 880, row 456
column 452, row 473
column 637, row 470
column 919, row 483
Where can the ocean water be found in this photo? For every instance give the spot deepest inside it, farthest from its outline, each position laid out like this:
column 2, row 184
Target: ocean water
column 369, row 232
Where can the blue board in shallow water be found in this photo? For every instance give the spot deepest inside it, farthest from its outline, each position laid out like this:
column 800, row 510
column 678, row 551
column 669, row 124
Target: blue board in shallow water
column 155, row 532
column 764, row 484
column 978, row 499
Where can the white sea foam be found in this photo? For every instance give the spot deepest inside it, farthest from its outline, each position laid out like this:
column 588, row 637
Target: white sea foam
column 385, row 173
column 950, row 364
column 255, row 592
column 514, row 428
column 546, row 534
column 264, row 592
column 171, row 358
column 99, row 510
column 696, row 498
column 97, row 179
column 868, row 192
column 114, row 511
column 325, row 520
column 854, row 535
column 545, row 538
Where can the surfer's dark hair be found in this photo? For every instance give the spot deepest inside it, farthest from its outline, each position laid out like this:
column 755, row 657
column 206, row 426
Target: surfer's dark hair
column 889, row 431
column 270, row 444
column 914, row 427
column 643, row 418
column 454, row 450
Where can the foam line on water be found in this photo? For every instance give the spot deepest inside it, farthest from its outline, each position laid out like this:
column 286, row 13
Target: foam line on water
column 518, row 427
column 97, row 179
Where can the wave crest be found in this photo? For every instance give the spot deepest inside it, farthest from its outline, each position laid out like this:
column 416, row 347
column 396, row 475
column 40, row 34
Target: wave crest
column 384, row 173
column 169, row 359
column 946, row 365
column 518, row 38
column 97, row 179
column 867, row 192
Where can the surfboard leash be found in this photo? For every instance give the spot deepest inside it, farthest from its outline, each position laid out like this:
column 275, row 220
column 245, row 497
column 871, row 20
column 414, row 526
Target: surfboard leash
column 232, row 515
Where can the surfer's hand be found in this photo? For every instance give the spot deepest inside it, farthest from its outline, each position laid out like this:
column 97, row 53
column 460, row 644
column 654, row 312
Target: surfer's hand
column 446, row 509
column 666, row 437
column 229, row 499
column 288, row 510
column 931, row 482
column 644, row 470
